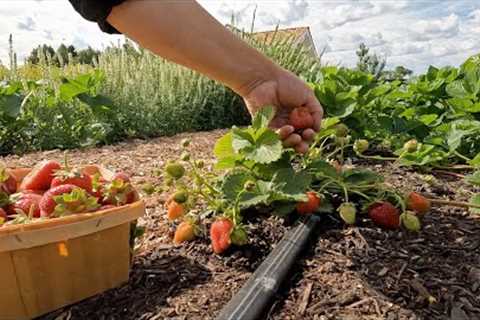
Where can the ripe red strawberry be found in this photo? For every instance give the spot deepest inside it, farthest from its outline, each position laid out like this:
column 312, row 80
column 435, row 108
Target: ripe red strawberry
column 301, row 118
column 25, row 203
column 311, row 205
column 220, row 235
column 8, row 183
column 418, row 203
column 120, row 191
column 67, row 199
column 385, row 215
column 41, row 176
column 73, row 176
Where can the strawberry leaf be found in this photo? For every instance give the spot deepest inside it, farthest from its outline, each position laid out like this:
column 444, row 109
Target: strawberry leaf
column 223, row 147
column 233, row 184
column 263, row 117
column 474, row 178
column 475, row 199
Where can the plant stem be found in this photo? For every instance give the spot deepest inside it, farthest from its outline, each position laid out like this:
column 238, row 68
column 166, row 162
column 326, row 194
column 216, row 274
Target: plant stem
column 454, row 203
column 461, row 156
column 376, row 157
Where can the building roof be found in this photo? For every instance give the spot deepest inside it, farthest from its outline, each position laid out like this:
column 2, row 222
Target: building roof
column 280, row 34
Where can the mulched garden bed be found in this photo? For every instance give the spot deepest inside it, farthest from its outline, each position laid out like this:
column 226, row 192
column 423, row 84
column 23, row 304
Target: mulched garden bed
column 348, row 273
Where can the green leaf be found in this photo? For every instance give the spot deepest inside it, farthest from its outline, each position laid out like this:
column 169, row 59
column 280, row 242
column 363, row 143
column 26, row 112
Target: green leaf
column 241, row 139
column 11, row 105
column 263, row 117
column 227, row 162
column 250, row 199
column 428, row 118
column 474, row 178
column 292, row 183
column 322, row 168
column 71, row 89
column 475, row 199
column 329, row 122
column 475, row 161
column 456, row 89
column 283, row 209
column 223, row 147
column 361, row 176
column 233, row 183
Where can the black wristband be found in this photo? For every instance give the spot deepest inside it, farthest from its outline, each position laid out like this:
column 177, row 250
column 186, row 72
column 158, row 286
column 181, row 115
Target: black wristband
column 97, row 11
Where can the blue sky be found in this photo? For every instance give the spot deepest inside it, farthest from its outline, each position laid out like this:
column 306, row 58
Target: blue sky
column 413, row 33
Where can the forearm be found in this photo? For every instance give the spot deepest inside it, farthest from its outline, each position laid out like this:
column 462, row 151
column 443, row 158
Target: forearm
column 183, row 32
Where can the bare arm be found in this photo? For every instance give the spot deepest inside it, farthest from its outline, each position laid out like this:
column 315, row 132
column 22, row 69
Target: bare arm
column 183, row 32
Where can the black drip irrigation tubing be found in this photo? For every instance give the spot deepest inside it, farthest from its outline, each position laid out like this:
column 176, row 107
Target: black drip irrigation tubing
column 253, row 298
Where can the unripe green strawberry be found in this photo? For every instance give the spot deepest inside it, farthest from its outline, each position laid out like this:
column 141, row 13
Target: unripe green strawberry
column 180, row 197
column 148, row 188
column 341, row 130
column 386, row 144
column 347, row 212
column 185, row 142
column 239, row 236
column 410, row 221
column 175, row 170
column 411, row 145
column 360, row 146
column 342, row 141
column 185, row 156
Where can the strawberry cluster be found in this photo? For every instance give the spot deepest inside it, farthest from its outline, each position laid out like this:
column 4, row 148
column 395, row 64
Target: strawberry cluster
column 52, row 190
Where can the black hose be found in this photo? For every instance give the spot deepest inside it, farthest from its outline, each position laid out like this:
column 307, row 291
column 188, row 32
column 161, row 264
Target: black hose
column 252, row 299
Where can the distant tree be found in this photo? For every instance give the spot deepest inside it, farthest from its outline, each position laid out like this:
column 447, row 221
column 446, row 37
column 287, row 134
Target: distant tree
column 34, row 57
column 370, row 62
column 88, row 56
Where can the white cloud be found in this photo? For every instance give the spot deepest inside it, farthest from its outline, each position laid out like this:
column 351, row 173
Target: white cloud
column 411, row 33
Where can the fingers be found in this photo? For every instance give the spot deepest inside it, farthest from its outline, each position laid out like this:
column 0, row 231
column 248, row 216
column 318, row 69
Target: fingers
column 316, row 110
column 285, row 131
column 302, row 147
column 292, row 141
column 308, row 135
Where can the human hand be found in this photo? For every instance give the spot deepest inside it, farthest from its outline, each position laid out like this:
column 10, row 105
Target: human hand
column 287, row 92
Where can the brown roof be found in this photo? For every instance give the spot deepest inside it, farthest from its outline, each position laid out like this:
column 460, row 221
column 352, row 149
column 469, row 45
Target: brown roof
column 281, row 34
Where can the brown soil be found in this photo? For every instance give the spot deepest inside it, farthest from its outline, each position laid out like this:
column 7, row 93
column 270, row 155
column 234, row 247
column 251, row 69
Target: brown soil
column 348, row 273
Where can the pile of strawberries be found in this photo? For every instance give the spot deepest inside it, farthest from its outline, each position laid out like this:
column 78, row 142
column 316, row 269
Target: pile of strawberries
column 53, row 190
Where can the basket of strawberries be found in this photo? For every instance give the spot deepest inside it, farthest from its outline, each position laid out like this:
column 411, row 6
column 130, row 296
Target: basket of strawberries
column 65, row 235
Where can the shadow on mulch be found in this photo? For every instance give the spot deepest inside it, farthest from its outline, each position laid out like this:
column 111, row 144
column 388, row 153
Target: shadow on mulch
column 152, row 282
column 368, row 273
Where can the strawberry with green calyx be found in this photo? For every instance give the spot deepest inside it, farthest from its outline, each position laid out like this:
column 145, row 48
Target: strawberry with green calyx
column 72, row 176
column 175, row 170
column 8, row 183
column 348, row 212
column 384, row 214
column 186, row 231
column 410, row 221
column 119, row 191
column 98, row 185
column 67, row 199
column 220, row 232
column 249, row 185
column 411, row 146
column 41, row 176
column 360, row 146
column 309, row 206
column 301, row 118
column 341, row 130
column 175, row 210
column 418, row 203
column 25, row 203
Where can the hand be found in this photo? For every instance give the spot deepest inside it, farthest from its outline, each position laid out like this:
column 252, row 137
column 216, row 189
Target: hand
column 285, row 93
